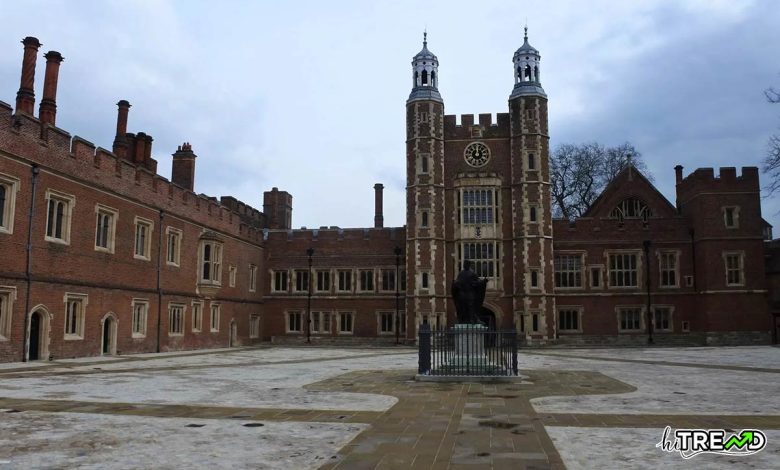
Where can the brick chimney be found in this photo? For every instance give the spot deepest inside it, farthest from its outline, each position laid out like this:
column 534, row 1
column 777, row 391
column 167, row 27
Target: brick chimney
column 277, row 207
column 120, row 141
column 140, row 148
column 148, row 151
column 47, row 112
column 183, row 168
column 25, row 97
column 379, row 219
column 678, row 173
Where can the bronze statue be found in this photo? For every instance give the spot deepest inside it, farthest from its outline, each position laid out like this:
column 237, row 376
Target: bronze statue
column 468, row 292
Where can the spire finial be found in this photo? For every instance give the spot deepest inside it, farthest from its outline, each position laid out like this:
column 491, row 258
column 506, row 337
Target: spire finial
column 425, row 37
column 526, row 29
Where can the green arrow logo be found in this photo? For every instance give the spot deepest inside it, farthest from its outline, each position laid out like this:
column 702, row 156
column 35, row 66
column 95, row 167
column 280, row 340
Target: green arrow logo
column 747, row 438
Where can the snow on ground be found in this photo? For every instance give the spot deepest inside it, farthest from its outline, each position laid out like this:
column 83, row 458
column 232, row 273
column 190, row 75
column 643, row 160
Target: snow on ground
column 68, row 440
column 237, row 383
column 589, row 448
column 744, row 356
column 669, row 389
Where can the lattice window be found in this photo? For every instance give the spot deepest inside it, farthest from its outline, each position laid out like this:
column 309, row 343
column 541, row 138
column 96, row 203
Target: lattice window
column 478, row 206
column 623, row 270
column 568, row 271
column 631, row 208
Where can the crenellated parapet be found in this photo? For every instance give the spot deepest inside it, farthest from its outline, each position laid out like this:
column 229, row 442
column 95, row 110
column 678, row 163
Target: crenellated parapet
column 704, row 180
column 27, row 139
column 485, row 125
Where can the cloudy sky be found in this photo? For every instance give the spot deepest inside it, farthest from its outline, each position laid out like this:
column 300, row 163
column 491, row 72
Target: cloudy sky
column 309, row 95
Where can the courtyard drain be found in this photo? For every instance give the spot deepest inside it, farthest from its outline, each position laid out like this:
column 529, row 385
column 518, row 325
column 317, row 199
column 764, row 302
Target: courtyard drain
column 13, row 411
column 253, row 425
column 483, row 454
column 193, row 425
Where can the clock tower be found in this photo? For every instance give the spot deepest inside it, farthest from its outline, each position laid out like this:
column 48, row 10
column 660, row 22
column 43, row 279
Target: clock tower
column 425, row 217
column 532, row 250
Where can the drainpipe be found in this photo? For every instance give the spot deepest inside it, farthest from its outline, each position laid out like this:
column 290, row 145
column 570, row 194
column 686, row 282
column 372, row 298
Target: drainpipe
column 693, row 261
column 28, row 272
column 646, row 245
column 159, row 279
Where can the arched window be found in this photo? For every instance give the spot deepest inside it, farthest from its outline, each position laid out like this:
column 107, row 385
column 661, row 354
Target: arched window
column 536, row 73
column 416, row 78
column 528, row 72
column 425, row 77
column 631, row 208
column 433, row 79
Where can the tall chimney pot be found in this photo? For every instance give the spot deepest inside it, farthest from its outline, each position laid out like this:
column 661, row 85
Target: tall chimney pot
column 678, row 173
column 25, row 97
column 47, row 112
column 379, row 219
column 120, row 140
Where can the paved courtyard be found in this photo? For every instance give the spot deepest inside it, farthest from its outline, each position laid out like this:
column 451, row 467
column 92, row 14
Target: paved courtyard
column 297, row 408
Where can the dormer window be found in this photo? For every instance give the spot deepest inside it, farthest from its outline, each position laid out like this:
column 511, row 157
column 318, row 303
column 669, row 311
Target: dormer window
column 631, row 208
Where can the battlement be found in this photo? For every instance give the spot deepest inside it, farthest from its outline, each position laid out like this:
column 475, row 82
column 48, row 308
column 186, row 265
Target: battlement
column 484, row 126
column 348, row 235
column 727, row 180
column 53, row 148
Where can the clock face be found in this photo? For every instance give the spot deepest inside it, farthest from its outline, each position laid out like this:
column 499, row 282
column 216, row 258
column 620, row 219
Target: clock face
column 477, row 154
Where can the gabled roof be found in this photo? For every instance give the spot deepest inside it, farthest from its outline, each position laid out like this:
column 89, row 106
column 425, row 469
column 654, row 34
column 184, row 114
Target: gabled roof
column 630, row 182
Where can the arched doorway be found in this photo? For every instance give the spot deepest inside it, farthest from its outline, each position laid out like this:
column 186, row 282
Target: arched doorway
column 38, row 334
column 108, row 347
column 233, row 333
column 35, row 336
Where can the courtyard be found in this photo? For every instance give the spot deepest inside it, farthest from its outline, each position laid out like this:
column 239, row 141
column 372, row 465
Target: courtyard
column 327, row 407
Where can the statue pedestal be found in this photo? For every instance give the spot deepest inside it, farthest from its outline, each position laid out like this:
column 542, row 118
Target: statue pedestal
column 470, row 356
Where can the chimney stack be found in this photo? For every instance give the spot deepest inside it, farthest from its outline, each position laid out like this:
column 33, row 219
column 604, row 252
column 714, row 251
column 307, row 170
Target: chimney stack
column 183, row 168
column 379, row 220
column 25, row 98
column 47, row 112
column 140, row 148
column 678, row 173
column 148, row 152
column 120, row 140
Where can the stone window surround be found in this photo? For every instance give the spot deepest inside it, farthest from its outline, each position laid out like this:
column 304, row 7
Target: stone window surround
column 582, row 254
column 290, row 313
column 734, row 217
column 252, row 278
column 182, row 313
column 12, row 187
column 9, row 294
column 741, row 267
column 215, row 312
column 147, row 248
column 339, row 316
column 600, row 268
column 659, row 255
column 642, row 317
column 178, row 234
column 231, row 275
column 576, row 308
column 101, row 209
column 283, row 276
column 639, row 267
column 70, row 202
column 82, row 301
column 671, row 317
column 379, row 322
column 144, row 316
column 197, row 316
column 320, row 317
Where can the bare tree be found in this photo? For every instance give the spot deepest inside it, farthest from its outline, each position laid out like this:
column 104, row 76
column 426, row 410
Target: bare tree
column 579, row 173
column 772, row 160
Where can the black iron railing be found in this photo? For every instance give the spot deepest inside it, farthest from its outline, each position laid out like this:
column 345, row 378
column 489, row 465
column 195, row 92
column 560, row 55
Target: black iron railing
column 467, row 350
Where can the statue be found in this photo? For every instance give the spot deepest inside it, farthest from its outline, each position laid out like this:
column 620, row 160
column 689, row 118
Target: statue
column 468, row 292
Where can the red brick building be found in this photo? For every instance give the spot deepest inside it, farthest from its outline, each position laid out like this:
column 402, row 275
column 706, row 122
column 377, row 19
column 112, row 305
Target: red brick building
column 101, row 255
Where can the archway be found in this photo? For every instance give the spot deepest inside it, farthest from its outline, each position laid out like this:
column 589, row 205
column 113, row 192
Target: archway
column 108, row 347
column 487, row 317
column 38, row 334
